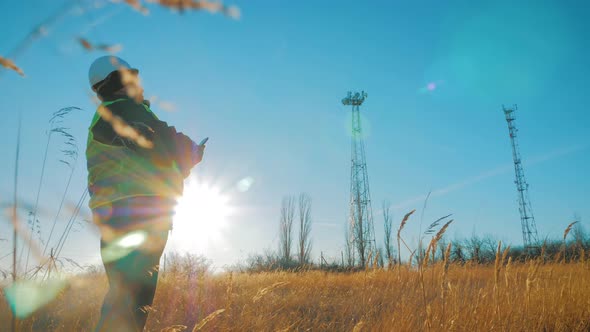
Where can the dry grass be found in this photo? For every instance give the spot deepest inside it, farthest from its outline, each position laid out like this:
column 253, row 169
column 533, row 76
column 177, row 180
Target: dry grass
column 518, row 297
column 7, row 63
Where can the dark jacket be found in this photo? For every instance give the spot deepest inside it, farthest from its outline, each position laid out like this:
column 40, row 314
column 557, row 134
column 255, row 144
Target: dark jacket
column 120, row 168
column 169, row 144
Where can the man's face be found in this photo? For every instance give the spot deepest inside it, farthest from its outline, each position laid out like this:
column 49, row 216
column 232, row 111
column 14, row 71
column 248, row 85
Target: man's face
column 140, row 92
column 132, row 84
column 138, row 88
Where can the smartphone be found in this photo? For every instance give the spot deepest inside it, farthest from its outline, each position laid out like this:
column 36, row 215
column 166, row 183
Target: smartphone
column 204, row 141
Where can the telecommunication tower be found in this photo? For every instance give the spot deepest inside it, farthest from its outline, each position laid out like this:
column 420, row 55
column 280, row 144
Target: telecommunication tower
column 361, row 229
column 527, row 220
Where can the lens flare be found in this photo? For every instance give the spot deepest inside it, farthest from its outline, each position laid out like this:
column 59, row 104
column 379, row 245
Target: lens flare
column 122, row 246
column 201, row 218
column 244, row 184
column 27, row 296
column 431, row 86
column 132, row 240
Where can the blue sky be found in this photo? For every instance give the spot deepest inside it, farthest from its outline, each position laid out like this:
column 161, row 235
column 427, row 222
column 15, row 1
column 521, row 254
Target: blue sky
column 267, row 88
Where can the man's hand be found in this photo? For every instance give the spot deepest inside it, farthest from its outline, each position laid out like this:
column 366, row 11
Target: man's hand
column 197, row 153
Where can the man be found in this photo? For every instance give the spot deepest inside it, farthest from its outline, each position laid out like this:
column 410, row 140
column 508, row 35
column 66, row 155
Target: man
column 136, row 167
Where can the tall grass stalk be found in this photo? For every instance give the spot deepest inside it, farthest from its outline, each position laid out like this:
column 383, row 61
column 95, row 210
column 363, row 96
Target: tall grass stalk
column 70, row 224
column 497, row 267
column 422, row 264
column 399, row 238
column 59, row 209
column 443, row 290
column 565, row 233
column 36, row 206
column 71, row 152
column 420, row 227
column 14, row 214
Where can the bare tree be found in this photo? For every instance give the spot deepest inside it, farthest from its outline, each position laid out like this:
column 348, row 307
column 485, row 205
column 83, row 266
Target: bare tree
column 387, row 225
column 489, row 245
column 286, row 228
column 473, row 246
column 457, row 252
column 348, row 244
column 380, row 262
column 304, row 228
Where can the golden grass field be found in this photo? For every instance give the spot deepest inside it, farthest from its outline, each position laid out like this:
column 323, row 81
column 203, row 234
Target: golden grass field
column 507, row 297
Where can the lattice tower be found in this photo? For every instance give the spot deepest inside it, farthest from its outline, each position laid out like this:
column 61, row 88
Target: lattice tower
column 361, row 229
column 527, row 219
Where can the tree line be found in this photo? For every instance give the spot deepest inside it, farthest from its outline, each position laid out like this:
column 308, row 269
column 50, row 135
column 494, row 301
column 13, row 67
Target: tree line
column 294, row 248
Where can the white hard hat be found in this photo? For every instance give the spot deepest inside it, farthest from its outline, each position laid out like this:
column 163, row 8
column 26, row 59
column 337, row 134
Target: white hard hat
column 103, row 66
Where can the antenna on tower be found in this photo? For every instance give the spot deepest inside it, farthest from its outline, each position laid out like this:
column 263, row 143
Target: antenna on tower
column 527, row 220
column 361, row 229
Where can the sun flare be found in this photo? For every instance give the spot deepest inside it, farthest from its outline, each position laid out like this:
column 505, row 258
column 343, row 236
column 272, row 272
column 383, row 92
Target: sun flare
column 201, row 217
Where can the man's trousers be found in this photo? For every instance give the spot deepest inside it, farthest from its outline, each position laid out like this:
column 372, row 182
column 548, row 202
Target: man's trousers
column 134, row 232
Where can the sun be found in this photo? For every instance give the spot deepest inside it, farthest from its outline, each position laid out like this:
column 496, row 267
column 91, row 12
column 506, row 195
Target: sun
column 200, row 219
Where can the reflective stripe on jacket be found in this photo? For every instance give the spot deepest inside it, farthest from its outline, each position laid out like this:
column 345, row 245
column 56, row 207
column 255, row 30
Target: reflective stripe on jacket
column 117, row 172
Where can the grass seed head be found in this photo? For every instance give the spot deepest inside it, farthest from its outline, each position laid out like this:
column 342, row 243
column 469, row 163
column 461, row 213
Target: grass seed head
column 568, row 229
column 9, row 64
